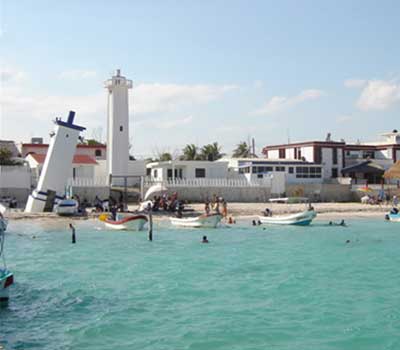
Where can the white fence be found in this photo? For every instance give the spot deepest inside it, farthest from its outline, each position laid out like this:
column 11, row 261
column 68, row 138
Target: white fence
column 88, row 182
column 201, row 182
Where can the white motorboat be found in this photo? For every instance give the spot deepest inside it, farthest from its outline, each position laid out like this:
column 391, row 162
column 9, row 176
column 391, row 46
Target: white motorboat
column 134, row 222
column 303, row 218
column 67, row 207
column 6, row 276
column 205, row 220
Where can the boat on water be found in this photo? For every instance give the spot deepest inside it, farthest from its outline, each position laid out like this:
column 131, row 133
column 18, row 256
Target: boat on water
column 304, row 218
column 133, row 222
column 393, row 215
column 6, row 276
column 67, row 207
column 205, row 220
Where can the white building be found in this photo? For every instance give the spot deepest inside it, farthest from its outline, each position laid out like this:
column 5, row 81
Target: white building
column 329, row 155
column 187, row 169
column 118, row 124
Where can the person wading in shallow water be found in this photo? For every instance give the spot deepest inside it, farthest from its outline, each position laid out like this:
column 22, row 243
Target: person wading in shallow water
column 73, row 233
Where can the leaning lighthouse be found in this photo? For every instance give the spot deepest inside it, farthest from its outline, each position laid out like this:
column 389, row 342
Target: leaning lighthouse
column 118, row 125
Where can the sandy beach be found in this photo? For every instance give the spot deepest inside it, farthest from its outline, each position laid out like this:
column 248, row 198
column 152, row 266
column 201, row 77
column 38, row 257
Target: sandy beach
column 243, row 211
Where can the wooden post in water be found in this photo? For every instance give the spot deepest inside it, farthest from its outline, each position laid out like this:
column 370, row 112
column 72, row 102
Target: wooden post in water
column 150, row 225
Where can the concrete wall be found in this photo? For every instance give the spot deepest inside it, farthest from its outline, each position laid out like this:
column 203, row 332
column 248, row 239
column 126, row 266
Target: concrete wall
column 321, row 192
column 90, row 192
column 21, row 195
column 15, row 177
column 231, row 194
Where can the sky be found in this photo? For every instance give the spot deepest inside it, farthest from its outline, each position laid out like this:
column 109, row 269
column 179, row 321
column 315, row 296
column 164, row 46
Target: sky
column 203, row 71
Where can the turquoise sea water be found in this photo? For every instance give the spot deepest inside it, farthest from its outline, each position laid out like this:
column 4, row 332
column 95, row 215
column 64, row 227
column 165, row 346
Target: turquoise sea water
column 249, row 288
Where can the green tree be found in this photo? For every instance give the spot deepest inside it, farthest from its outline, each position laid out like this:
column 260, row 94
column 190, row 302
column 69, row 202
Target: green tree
column 190, row 153
column 92, row 142
column 165, row 157
column 211, row 152
column 242, row 150
column 6, row 157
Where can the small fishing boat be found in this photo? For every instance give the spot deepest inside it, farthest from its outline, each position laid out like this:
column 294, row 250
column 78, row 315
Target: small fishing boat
column 134, row 222
column 205, row 220
column 67, row 207
column 303, row 218
column 6, row 276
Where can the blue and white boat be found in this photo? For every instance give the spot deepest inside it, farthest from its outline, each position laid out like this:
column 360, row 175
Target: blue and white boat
column 6, row 276
column 66, row 207
column 302, row 219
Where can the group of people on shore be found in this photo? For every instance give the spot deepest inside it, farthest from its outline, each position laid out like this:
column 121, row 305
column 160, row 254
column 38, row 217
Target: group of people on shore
column 217, row 205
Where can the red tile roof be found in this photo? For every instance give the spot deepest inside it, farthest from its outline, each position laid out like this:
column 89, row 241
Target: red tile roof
column 47, row 145
column 78, row 159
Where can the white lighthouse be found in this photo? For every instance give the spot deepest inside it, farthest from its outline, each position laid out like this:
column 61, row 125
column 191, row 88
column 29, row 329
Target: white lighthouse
column 118, row 125
column 57, row 166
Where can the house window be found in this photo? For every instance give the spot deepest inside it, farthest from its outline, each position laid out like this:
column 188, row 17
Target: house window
column 169, row 173
column 308, row 172
column 334, row 155
column 334, row 173
column 290, row 170
column 368, row 154
column 279, row 168
column 260, row 176
column 155, row 173
column 200, row 172
column 97, row 152
column 121, row 128
column 148, row 171
column 73, row 173
column 282, row 153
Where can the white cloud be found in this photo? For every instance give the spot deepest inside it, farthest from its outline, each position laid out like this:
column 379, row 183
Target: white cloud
column 21, row 102
column 278, row 103
column 355, row 83
column 77, row 74
column 151, row 98
column 379, row 95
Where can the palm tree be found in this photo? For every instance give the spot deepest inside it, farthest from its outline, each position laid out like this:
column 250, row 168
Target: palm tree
column 189, row 152
column 242, row 150
column 211, row 152
column 165, row 157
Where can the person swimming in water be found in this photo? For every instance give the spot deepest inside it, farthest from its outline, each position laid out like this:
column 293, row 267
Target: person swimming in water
column 205, row 240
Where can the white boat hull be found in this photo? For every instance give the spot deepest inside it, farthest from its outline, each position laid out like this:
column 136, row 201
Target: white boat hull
column 6, row 280
column 128, row 223
column 206, row 221
column 302, row 219
column 67, row 207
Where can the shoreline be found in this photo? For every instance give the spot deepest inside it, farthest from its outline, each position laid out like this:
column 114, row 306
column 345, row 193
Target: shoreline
column 240, row 211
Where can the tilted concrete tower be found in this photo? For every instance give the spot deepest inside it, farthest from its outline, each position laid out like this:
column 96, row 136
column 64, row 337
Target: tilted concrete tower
column 118, row 125
column 56, row 167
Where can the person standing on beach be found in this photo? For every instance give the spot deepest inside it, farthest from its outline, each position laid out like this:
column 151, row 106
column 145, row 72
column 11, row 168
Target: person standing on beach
column 73, row 233
column 224, row 208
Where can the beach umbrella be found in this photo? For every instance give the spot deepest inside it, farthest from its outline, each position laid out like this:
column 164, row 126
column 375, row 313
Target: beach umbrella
column 365, row 189
column 154, row 189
